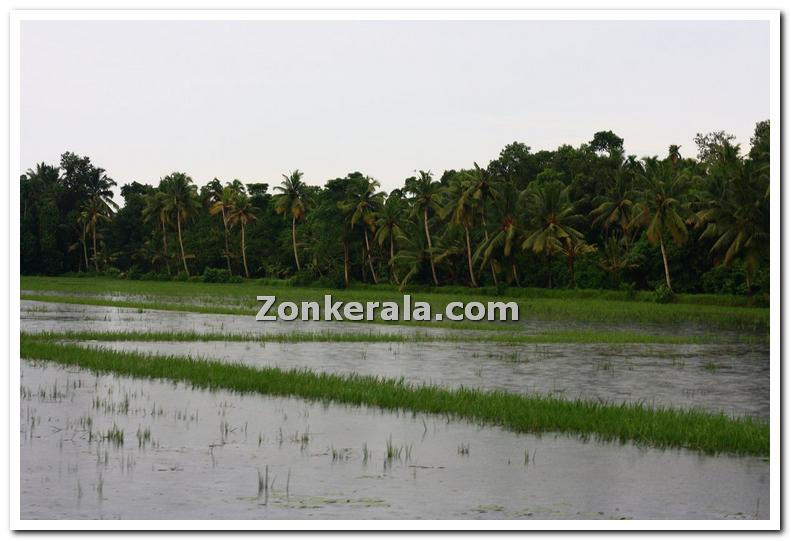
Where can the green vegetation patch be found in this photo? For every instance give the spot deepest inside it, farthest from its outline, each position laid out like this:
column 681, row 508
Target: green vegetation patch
column 710, row 433
column 559, row 337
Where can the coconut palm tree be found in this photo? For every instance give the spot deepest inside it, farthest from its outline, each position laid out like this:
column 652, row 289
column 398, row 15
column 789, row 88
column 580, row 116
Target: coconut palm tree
column 662, row 207
column 549, row 217
column 426, row 198
column 242, row 212
column 481, row 185
column 92, row 212
column 388, row 227
column 673, row 154
column 222, row 203
column 573, row 248
column 292, row 200
column 181, row 202
column 156, row 209
column 218, row 204
column 506, row 239
column 362, row 206
column 735, row 214
column 616, row 206
column 461, row 209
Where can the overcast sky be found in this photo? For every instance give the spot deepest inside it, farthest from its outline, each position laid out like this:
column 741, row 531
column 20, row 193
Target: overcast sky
column 252, row 100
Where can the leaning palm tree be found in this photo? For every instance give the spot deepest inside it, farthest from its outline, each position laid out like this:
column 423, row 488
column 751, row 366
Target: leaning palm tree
column 156, row 209
column 292, row 200
column 181, row 202
column 426, row 198
column 549, row 218
column 218, row 204
column 662, row 207
column 242, row 212
column 461, row 209
column 481, row 186
column 362, row 207
column 388, row 227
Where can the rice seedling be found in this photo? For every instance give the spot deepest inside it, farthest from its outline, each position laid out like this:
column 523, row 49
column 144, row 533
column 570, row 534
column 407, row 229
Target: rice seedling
column 115, row 436
column 501, row 337
column 366, row 453
column 143, row 437
column 464, row 449
column 661, row 427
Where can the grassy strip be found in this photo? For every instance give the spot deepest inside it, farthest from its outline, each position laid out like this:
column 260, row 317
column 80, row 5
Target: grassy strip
column 627, row 422
column 536, row 304
column 559, row 337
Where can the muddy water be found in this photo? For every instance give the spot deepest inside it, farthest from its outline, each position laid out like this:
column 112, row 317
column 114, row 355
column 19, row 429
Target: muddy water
column 731, row 378
column 204, row 452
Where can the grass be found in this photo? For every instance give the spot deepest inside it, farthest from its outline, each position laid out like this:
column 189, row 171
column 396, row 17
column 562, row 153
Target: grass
column 558, row 305
column 663, row 427
column 555, row 337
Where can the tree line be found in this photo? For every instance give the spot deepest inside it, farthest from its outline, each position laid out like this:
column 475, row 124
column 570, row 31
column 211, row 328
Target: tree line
column 586, row 216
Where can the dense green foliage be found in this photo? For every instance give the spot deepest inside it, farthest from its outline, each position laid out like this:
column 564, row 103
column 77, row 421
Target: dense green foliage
column 585, row 217
column 636, row 423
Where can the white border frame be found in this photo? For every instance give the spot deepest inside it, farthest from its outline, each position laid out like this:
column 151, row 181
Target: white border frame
column 770, row 16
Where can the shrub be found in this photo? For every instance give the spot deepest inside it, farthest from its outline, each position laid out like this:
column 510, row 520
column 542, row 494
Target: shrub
column 630, row 289
column 181, row 277
column 663, row 294
column 134, row 273
column 236, row 279
column 216, row 276
column 302, row 278
column 112, row 272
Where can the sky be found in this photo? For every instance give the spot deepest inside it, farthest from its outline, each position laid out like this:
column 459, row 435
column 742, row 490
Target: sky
column 255, row 99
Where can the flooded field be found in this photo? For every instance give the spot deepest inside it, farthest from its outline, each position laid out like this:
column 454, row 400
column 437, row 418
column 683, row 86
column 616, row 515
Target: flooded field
column 731, row 378
column 103, row 446
column 51, row 316
column 110, row 447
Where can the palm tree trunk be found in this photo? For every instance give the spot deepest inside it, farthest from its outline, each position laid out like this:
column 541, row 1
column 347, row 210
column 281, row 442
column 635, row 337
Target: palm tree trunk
column 95, row 255
column 469, row 256
column 392, row 256
column 85, row 249
column 370, row 261
column 571, row 273
column 486, row 235
column 227, row 251
column 345, row 263
column 244, row 255
column 430, row 248
column 516, row 275
column 165, row 247
column 181, row 244
column 294, row 239
column 664, row 260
